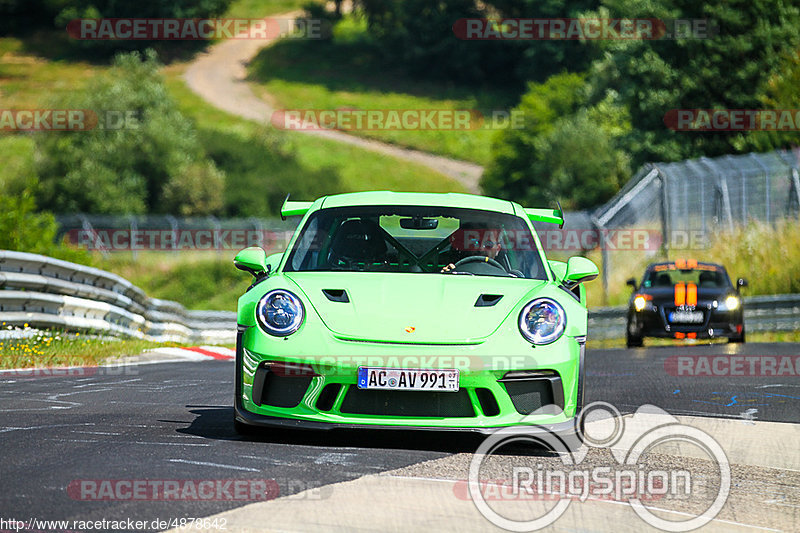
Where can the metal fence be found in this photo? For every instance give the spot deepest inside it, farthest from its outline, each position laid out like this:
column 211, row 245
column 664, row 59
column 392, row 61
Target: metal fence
column 687, row 202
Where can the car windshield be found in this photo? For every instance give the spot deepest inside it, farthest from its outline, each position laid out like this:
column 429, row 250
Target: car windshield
column 416, row 239
column 710, row 276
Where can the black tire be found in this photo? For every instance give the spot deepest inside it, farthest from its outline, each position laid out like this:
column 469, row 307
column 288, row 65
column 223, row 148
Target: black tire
column 738, row 340
column 632, row 341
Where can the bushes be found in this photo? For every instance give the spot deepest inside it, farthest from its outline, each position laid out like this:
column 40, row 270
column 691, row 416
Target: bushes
column 154, row 163
column 567, row 150
column 24, row 229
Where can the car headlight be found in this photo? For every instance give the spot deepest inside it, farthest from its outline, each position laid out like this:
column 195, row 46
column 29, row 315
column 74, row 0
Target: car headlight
column 731, row 303
column 639, row 302
column 542, row 321
column 280, row 312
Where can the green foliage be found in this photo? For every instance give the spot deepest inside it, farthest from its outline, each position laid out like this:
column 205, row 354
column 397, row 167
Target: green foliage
column 727, row 71
column 24, row 229
column 566, row 150
column 267, row 163
column 154, row 163
column 781, row 91
column 537, row 60
column 417, row 34
column 200, row 281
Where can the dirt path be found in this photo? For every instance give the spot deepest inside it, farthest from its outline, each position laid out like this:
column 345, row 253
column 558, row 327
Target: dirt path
column 219, row 77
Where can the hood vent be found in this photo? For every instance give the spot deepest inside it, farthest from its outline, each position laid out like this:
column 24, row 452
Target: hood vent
column 336, row 295
column 487, row 300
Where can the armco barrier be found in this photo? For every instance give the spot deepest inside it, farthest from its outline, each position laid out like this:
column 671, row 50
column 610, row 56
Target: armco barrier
column 49, row 293
column 778, row 312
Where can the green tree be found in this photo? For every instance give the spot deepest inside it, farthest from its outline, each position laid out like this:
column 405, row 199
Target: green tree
column 729, row 70
column 24, row 229
column 154, row 162
column 566, row 151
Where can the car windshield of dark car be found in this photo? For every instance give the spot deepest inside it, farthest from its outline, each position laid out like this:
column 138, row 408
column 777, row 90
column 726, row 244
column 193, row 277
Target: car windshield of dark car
column 667, row 276
column 416, row 239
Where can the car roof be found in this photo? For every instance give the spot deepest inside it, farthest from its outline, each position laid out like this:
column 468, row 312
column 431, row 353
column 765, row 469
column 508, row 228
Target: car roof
column 469, row 201
column 690, row 265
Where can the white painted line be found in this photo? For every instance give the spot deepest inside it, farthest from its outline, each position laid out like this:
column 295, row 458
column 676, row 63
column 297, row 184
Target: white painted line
column 215, row 465
column 164, row 443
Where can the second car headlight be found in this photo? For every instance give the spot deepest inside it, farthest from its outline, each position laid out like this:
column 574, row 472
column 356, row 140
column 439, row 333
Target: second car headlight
column 542, row 321
column 731, row 303
column 280, row 312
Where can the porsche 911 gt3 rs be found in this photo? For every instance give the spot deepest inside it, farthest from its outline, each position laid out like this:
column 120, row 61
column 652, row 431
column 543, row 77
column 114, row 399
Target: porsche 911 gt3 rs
column 411, row 310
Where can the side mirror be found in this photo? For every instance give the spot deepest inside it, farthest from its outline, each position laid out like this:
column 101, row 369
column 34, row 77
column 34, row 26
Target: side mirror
column 559, row 269
column 252, row 260
column 741, row 282
column 631, row 282
column 580, row 270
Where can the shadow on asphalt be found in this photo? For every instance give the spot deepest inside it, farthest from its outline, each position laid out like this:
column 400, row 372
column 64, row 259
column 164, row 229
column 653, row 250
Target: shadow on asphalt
column 216, row 422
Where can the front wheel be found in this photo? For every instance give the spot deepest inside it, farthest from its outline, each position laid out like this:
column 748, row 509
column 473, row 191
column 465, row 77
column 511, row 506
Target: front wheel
column 737, row 340
column 633, row 341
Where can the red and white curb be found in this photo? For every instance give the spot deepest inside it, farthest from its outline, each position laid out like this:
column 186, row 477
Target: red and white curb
column 195, row 353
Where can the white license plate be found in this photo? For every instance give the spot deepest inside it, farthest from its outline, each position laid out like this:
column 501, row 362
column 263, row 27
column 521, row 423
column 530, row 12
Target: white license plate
column 440, row 380
column 686, row 317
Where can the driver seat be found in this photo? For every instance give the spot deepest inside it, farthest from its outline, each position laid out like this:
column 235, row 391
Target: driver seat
column 357, row 241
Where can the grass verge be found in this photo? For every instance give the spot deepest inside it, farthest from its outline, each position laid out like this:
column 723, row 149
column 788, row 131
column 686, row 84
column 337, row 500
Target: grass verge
column 346, row 72
column 201, row 280
column 309, row 165
column 44, row 349
column 767, row 255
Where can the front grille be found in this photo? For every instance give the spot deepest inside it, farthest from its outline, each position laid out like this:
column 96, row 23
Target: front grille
column 327, row 397
column 528, row 395
column 407, row 403
column 488, row 402
column 275, row 390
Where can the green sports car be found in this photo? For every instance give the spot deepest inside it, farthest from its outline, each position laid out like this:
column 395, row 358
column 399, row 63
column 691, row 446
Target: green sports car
column 411, row 310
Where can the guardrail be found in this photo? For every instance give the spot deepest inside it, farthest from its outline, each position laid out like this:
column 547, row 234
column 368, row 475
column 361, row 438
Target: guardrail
column 50, row 293
column 777, row 312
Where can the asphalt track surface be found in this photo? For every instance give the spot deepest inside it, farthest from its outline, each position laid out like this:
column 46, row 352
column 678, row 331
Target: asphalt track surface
column 172, row 421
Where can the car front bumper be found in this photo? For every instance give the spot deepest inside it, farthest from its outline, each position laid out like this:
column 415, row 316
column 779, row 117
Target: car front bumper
column 328, row 397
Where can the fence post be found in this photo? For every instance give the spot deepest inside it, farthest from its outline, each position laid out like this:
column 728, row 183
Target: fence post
column 665, row 220
column 768, row 185
column 603, row 256
column 132, row 238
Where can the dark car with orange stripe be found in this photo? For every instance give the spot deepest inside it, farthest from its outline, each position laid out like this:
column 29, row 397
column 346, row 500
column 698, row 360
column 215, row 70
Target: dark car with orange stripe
column 685, row 299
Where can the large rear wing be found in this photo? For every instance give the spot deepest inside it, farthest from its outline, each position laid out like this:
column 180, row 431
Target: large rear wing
column 292, row 209
column 553, row 216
